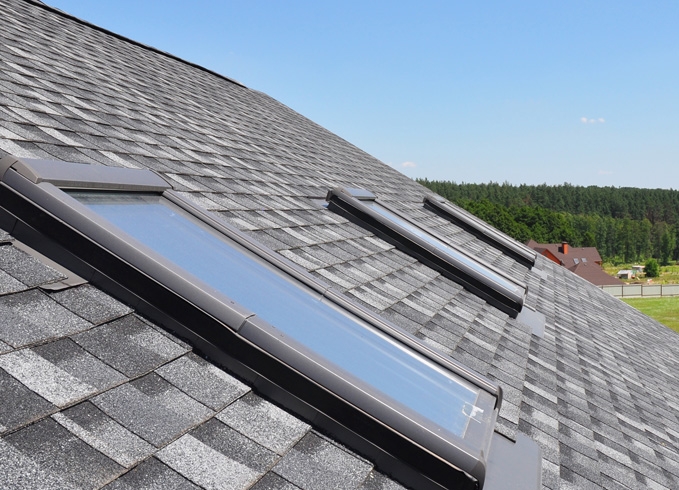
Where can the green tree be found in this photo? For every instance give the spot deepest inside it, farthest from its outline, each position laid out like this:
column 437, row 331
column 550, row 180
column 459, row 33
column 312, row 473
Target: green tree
column 624, row 223
column 667, row 245
column 652, row 268
column 588, row 239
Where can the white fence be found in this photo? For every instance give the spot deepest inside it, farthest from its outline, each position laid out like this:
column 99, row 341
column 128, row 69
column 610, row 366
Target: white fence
column 642, row 290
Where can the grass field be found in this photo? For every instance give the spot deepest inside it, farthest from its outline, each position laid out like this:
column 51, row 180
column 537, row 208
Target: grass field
column 665, row 310
column 669, row 274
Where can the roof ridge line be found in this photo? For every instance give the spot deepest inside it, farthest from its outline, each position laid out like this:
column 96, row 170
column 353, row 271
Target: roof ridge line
column 40, row 3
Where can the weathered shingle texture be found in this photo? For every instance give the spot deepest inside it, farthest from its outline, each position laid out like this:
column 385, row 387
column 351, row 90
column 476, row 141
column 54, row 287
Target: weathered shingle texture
column 95, row 396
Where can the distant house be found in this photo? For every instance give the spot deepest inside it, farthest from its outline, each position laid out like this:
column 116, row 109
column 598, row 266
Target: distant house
column 583, row 261
column 626, row 274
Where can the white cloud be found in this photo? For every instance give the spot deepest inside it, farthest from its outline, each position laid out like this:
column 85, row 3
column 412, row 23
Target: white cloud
column 598, row 120
column 408, row 165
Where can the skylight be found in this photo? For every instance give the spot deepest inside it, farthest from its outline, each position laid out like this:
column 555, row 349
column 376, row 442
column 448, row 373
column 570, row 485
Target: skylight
column 500, row 290
column 305, row 345
column 399, row 374
column 481, row 230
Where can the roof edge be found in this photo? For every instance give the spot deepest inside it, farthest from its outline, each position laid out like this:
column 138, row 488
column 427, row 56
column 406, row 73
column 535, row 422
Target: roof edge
column 40, row 3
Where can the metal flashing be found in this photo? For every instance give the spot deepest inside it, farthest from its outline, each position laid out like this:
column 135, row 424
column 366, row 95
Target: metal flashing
column 360, row 194
column 67, row 175
column 540, row 273
column 70, row 278
column 533, row 319
column 514, row 465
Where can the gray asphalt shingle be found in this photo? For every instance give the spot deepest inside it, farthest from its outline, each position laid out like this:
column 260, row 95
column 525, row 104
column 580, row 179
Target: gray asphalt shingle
column 316, row 464
column 93, row 426
column 203, row 381
column 30, row 317
column 65, row 460
column 19, row 405
column 130, row 346
column 264, row 423
column 151, row 474
column 217, row 457
column 153, row 409
column 91, row 304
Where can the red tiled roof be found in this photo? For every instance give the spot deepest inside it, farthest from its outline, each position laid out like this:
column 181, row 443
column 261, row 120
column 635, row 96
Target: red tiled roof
column 583, row 261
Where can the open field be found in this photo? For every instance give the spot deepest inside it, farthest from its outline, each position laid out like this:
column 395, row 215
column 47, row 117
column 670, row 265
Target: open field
column 665, row 310
column 668, row 274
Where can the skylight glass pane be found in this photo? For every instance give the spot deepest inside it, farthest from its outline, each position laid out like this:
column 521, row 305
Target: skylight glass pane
column 496, row 278
column 346, row 341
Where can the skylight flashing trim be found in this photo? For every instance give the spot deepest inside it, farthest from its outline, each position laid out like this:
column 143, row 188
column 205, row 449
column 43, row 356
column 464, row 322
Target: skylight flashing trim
column 444, row 241
column 483, row 231
column 84, row 176
column 468, row 452
column 360, row 194
column 509, row 298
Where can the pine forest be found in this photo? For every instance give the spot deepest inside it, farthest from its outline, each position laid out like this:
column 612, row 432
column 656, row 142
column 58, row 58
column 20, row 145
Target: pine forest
column 625, row 224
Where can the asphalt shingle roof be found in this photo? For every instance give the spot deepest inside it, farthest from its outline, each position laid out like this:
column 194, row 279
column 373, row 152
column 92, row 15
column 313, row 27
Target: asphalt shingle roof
column 93, row 395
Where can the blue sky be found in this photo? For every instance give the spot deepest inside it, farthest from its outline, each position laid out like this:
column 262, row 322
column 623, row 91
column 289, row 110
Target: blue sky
column 585, row 92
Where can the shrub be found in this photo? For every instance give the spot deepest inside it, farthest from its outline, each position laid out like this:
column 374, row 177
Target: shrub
column 652, row 268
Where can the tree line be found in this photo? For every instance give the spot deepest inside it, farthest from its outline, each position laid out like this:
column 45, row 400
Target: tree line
column 625, row 224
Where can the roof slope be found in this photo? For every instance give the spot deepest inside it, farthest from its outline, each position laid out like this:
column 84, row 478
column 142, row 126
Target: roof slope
column 598, row 391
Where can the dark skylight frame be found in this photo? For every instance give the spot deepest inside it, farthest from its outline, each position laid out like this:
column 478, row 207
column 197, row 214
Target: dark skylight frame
column 361, row 206
column 481, row 230
column 36, row 206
